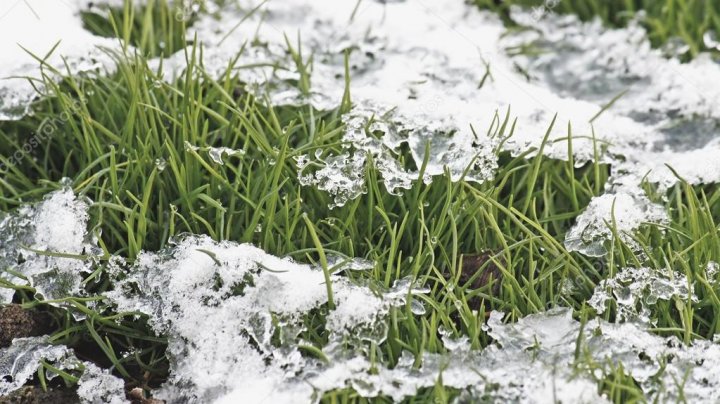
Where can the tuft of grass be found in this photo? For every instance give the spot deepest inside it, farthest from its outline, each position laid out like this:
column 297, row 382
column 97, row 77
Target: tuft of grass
column 156, row 28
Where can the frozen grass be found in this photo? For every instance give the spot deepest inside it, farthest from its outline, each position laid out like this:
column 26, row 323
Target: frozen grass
column 125, row 145
column 692, row 24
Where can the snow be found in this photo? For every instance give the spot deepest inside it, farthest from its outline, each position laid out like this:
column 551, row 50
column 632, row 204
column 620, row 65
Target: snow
column 234, row 314
column 46, row 243
column 415, row 85
column 35, row 27
column 622, row 212
column 20, row 361
column 98, row 386
column 220, row 303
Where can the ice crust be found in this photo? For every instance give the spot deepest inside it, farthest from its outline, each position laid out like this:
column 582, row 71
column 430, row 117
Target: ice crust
column 46, row 243
column 634, row 290
column 623, row 212
column 20, row 361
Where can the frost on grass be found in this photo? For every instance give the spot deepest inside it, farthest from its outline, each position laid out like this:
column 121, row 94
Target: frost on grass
column 42, row 243
column 622, row 212
column 634, row 290
column 34, row 29
column 20, row 361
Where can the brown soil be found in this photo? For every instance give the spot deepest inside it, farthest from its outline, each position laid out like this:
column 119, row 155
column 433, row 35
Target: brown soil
column 36, row 395
column 489, row 280
column 15, row 322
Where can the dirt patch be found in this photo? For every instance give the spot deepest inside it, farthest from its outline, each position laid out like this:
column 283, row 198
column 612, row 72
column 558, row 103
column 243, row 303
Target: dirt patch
column 479, row 272
column 16, row 322
column 36, row 395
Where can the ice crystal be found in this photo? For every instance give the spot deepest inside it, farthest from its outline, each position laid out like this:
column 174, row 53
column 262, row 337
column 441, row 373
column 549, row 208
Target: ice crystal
column 634, row 290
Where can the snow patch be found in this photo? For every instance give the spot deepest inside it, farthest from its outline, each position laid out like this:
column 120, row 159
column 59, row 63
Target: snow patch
column 40, row 241
column 35, row 27
column 621, row 212
column 20, row 361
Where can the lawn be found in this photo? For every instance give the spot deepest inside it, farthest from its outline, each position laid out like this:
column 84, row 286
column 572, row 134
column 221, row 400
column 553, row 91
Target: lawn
column 185, row 228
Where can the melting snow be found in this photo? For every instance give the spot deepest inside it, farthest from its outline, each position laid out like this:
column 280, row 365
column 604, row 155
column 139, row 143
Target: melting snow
column 624, row 212
column 36, row 27
column 56, row 226
column 635, row 289
column 412, row 85
column 20, row 361
column 221, row 303
column 233, row 313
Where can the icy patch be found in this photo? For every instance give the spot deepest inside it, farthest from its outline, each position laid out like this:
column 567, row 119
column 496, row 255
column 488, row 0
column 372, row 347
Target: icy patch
column 675, row 102
column 599, row 63
column 37, row 26
column 97, row 385
column 236, row 311
column 622, row 211
column 20, row 361
column 634, row 290
column 656, row 363
column 39, row 241
column 432, row 87
column 233, row 315
column 543, row 358
column 342, row 176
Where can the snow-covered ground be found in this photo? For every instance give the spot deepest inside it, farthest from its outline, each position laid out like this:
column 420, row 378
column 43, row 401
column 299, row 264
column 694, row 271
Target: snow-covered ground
column 425, row 72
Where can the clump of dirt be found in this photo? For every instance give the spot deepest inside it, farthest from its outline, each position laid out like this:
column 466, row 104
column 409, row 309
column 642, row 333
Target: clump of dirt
column 489, row 279
column 137, row 396
column 16, row 322
column 36, row 395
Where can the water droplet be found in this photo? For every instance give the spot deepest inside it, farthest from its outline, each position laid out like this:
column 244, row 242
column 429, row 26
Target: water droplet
column 161, row 164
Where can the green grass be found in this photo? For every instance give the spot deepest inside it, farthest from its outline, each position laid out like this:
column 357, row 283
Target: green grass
column 665, row 20
column 118, row 128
